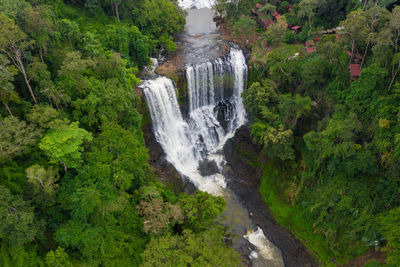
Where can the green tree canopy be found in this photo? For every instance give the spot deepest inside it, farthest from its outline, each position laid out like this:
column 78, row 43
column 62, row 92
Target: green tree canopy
column 64, row 145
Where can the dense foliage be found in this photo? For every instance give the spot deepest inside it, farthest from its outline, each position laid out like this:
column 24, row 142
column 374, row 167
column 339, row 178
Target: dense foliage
column 76, row 188
column 332, row 138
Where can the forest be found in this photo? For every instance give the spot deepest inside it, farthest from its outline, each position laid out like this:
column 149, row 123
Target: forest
column 76, row 188
column 323, row 98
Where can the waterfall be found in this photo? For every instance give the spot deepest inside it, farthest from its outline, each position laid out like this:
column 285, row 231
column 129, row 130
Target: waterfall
column 187, row 4
column 215, row 112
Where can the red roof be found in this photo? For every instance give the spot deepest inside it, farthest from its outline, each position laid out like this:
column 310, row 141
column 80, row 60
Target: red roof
column 296, row 27
column 267, row 23
column 276, row 15
column 311, row 50
column 259, row 6
column 317, row 39
column 349, row 53
column 355, row 70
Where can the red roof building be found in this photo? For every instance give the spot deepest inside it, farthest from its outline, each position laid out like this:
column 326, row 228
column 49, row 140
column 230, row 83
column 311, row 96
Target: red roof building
column 355, row 70
column 317, row 39
column 311, row 50
column 296, row 28
column 258, row 6
column 276, row 15
column 267, row 23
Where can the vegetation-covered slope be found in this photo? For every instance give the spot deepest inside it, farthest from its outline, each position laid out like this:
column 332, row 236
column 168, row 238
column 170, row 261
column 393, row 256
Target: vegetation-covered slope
column 332, row 135
column 75, row 185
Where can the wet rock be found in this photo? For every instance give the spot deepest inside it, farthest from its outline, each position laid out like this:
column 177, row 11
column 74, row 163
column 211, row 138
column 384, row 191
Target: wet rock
column 208, row 167
column 163, row 168
column 244, row 180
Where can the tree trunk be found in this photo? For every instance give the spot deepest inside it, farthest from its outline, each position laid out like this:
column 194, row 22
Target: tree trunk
column 41, row 54
column 395, row 50
column 65, row 166
column 8, row 109
column 365, row 54
column 23, row 71
column 352, row 52
column 117, row 12
column 393, row 77
column 14, row 53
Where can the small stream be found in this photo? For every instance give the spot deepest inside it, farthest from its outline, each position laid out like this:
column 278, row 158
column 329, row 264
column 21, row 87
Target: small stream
column 193, row 142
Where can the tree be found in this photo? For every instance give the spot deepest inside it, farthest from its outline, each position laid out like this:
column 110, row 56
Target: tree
column 46, row 117
column 337, row 149
column 355, row 31
column 7, row 93
column 42, row 180
column 16, row 137
column 277, row 142
column 394, row 23
column 13, row 42
column 39, row 24
column 58, row 258
column 17, row 223
column 72, row 72
column 268, row 11
column 42, row 77
column 12, row 8
column 92, row 5
column 69, row 30
column 292, row 108
column 64, row 145
column 115, row 7
column 119, row 155
column 244, row 26
column 276, row 32
column 373, row 16
column 201, row 210
column 158, row 216
column 190, row 249
column 307, row 8
column 389, row 227
column 258, row 96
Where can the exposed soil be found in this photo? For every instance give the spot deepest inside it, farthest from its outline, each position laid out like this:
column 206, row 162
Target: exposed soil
column 173, row 66
column 244, row 181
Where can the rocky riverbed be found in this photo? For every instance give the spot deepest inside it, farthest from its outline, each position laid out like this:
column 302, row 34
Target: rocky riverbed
column 244, row 180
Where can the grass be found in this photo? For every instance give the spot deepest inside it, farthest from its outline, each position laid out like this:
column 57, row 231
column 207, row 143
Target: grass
column 291, row 218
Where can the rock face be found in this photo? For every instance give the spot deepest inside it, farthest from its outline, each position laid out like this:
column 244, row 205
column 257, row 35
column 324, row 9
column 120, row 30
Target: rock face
column 244, row 180
column 162, row 168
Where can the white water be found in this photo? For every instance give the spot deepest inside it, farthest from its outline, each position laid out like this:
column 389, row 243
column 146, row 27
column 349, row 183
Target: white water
column 215, row 112
column 187, row 4
column 186, row 142
column 265, row 248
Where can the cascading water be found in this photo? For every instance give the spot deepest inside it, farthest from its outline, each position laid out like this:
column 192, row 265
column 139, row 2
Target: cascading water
column 187, row 142
column 215, row 111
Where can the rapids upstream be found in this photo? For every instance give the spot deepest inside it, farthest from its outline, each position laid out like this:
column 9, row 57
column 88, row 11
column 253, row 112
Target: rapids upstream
column 193, row 142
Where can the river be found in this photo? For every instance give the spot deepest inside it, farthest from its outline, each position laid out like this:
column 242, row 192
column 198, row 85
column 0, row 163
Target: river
column 193, row 140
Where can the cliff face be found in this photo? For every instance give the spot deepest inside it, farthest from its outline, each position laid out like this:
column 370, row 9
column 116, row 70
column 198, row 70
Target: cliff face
column 244, row 180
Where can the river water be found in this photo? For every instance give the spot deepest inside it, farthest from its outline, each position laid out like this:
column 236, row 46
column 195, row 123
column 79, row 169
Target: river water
column 193, row 142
